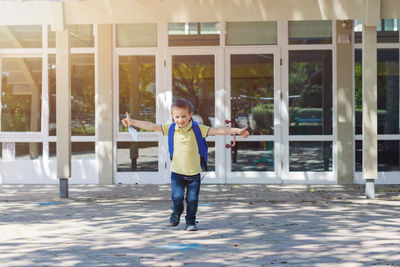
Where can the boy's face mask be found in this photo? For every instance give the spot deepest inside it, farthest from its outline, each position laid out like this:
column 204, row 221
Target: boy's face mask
column 133, row 133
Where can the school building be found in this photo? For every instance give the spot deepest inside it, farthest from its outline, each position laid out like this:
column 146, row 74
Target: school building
column 316, row 81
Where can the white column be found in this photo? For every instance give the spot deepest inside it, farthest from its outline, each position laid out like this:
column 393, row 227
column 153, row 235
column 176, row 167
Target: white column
column 370, row 95
column 63, row 111
column 344, row 100
column 369, row 103
column 104, row 107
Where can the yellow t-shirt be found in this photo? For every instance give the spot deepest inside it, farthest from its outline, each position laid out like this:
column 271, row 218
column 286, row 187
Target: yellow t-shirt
column 186, row 158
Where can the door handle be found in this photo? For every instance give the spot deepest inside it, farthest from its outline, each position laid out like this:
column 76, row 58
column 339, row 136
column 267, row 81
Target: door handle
column 234, row 136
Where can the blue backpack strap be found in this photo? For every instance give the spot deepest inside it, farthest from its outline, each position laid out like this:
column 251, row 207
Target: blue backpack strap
column 201, row 144
column 171, row 132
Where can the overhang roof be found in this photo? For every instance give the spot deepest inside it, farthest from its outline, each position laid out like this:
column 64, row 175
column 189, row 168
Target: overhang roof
column 59, row 13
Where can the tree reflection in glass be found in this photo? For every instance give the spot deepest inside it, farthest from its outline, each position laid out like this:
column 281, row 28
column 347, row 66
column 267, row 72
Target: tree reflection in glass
column 310, row 92
column 82, row 95
column 193, row 79
column 388, row 91
column 252, row 92
column 21, row 95
column 82, row 91
column 137, row 88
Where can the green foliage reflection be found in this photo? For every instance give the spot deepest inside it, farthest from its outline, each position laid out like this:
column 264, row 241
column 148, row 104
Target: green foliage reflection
column 21, row 95
column 252, row 92
column 193, row 79
column 310, row 92
column 137, row 88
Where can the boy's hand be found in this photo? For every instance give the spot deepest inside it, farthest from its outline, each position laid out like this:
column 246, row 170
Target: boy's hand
column 126, row 122
column 243, row 132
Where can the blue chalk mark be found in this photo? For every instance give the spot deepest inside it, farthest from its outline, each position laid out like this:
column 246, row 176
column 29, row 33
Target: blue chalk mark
column 205, row 204
column 47, row 203
column 181, row 246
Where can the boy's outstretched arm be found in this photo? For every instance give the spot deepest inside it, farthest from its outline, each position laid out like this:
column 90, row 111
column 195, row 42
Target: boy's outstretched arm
column 227, row 131
column 128, row 121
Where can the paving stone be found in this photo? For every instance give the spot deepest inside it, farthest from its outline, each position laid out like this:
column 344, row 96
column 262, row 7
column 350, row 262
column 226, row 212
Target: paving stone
column 239, row 225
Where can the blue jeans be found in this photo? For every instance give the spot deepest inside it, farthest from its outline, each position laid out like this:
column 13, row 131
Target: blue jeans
column 192, row 184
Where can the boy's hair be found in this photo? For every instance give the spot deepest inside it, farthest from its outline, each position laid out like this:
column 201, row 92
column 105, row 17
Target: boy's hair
column 183, row 103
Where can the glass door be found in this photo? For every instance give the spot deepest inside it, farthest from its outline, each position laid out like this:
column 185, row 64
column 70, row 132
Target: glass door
column 193, row 74
column 252, row 99
column 309, row 129
column 138, row 161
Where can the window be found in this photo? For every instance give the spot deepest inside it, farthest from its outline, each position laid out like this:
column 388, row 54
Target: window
column 80, row 36
column 137, row 35
column 388, row 91
column 387, row 31
column 21, row 36
column 388, row 155
column 79, row 150
column 82, row 95
column 21, row 95
column 310, row 156
column 137, row 88
column 251, row 33
column 310, row 92
column 20, row 151
column 137, row 156
column 252, row 92
column 253, row 156
column 310, row 32
column 193, row 34
column 193, row 78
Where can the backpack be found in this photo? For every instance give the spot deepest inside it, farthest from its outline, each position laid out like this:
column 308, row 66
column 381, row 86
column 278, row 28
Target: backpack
column 201, row 143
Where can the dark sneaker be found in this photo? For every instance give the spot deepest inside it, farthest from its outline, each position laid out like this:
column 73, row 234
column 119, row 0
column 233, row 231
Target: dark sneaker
column 191, row 227
column 174, row 220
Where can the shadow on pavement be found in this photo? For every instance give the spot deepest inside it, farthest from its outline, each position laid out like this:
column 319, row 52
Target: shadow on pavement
column 239, row 226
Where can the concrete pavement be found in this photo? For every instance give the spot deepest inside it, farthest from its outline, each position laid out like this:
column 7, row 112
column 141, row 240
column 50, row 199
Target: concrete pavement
column 239, row 225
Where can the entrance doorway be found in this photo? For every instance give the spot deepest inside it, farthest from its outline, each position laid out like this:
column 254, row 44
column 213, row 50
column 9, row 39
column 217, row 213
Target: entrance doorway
column 252, row 99
column 285, row 98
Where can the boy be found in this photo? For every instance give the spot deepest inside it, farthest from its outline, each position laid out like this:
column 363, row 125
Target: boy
column 185, row 166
